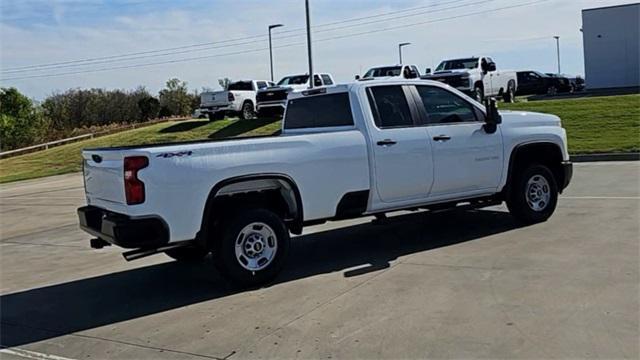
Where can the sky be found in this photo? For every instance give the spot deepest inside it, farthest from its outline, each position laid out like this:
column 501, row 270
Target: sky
column 44, row 45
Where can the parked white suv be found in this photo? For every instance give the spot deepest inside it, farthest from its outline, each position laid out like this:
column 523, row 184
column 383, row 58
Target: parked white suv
column 272, row 101
column 345, row 151
column 477, row 77
column 238, row 99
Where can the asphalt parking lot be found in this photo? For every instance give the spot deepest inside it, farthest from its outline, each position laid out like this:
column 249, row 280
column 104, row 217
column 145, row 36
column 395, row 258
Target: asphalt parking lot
column 445, row 285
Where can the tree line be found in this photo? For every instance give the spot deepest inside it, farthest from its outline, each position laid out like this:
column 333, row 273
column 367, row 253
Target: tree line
column 24, row 122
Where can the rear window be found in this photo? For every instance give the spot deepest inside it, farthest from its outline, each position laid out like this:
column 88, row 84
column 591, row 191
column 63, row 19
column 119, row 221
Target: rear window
column 241, row 86
column 319, row 111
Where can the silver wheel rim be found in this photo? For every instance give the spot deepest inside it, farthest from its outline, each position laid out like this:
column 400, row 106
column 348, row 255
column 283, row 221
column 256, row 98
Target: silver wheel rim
column 538, row 193
column 256, row 246
column 247, row 111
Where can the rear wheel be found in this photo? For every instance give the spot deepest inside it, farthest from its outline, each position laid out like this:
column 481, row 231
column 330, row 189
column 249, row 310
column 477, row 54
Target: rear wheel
column 533, row 194
column 187, row 253
column 247, row 112
column 252, row 247
column 552, row 90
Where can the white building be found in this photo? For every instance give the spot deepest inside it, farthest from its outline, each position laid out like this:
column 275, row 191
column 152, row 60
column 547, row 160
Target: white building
column 611, row 37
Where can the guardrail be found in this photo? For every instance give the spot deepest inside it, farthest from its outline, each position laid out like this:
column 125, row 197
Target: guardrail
column 49, row 144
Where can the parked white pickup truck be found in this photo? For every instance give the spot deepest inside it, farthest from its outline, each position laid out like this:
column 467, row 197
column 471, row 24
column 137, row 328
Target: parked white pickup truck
column 477, row 77
column 238, row 99
column 391, row 72
column 273, row 100
column 346, row 151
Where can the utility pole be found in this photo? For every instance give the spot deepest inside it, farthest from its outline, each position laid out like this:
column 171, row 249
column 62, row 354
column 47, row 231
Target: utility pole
column 558, row 51
column 306, row 5
column 271, row 27
column 400, row 50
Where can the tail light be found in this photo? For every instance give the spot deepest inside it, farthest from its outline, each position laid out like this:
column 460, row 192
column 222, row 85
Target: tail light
column 134, row 187
column 231, row 97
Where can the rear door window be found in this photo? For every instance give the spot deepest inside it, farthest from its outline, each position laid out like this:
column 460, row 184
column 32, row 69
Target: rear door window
column 241, row 86
column 390, row 107
column 319, row 111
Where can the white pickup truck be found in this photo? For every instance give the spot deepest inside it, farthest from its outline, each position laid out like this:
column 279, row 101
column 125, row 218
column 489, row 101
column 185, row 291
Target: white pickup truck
column 238, row 99
column 477, row 77
column 273, row 100
column 391, row 72
column 346, row 151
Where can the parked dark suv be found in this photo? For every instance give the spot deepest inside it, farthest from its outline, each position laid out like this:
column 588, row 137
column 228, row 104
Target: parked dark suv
column 537, row 83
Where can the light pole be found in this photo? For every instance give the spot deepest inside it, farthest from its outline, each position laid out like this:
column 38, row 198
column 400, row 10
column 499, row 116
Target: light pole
column 271, row 27
column 306, row 6
column 558, row 50
column 400, row 49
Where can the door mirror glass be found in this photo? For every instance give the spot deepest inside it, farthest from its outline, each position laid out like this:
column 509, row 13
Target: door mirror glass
column 357, row 77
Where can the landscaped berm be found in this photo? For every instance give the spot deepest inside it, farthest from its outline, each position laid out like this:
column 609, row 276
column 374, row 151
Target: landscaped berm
column 594, row 125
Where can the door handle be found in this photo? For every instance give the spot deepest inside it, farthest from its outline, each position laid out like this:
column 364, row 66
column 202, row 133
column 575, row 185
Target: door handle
column 386, row 142
column 442, row 138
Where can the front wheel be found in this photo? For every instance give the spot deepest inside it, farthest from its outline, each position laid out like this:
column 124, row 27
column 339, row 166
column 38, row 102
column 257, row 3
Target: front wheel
column 478, row 93
column 533, row 194
column 509, row 95
column 252, row 247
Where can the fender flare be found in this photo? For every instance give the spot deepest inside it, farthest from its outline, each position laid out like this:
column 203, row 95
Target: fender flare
column 295, row 225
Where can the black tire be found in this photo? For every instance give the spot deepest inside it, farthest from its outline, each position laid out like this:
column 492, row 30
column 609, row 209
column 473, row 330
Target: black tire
column 522, row 195
column 509, row 96
column 216, row 116
column 247, row 112
column 231, row 265
column 478, row 93
column 187, row 254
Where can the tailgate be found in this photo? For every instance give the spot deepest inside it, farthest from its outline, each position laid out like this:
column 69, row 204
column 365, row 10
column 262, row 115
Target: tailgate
column 104, row 175
column 219, row 98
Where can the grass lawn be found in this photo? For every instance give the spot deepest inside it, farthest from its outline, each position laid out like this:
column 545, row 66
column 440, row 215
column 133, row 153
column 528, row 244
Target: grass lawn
column 597, row 124
column 66, row 158
column 594, row 124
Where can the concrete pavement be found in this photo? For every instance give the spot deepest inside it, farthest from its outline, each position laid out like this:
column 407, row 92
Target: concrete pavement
column 446, row 285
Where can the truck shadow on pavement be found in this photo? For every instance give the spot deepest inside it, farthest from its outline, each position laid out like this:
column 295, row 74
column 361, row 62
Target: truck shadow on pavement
column 51, row 311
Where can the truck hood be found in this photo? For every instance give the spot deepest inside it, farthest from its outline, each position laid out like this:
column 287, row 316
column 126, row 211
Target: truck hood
column 528, row 118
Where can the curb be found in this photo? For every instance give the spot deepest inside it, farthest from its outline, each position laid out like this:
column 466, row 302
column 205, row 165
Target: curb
column 606, row 157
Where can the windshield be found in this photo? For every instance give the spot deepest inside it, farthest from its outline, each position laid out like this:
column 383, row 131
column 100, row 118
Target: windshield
column 241, row 86
column 384, row 71
column 294, row 80
column 470, row 63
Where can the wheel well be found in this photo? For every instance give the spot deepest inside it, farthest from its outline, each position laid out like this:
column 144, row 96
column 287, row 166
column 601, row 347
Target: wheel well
column 478, row 84
column 277, row 193
column 547, row 154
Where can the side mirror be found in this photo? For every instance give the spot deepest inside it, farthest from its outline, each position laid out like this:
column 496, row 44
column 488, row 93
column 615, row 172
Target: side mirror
column 491, row 66
column 357, row 77
column 493, row 117
column 427, row 71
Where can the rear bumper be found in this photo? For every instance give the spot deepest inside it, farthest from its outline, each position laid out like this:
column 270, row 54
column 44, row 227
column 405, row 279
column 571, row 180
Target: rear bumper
column 121, row 230
column 567, row 171
column 272, row 105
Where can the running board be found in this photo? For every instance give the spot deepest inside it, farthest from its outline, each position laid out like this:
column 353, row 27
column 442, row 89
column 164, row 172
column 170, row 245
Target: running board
column 141, row 253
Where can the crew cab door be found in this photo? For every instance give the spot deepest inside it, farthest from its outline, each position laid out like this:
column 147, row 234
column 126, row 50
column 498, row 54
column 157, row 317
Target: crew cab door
column 467, row 160
column 402, row 163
